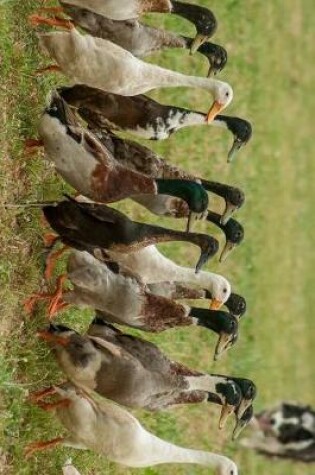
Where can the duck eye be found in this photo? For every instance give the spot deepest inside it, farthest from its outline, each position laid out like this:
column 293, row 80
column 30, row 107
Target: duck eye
column 272, row 421
column 224, row 291
column 227, row 94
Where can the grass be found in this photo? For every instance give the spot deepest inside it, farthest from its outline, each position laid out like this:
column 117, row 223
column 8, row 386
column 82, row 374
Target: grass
column 270, row 60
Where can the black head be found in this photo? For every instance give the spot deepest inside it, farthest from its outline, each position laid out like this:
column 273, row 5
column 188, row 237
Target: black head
column 235, row 196
column 203, row 19
column 209, row 247
column 216, row 55
column 234, row 231
column 242, row 132
column 236, row 305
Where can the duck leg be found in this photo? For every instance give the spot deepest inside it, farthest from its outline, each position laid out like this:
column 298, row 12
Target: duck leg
column 31, row 145
column 36, row 20
column 51, row 260
column 51, row 68
column 51, row 406
column 41, row 445
column 56, row 302
column 39, row 395
column 50, row 239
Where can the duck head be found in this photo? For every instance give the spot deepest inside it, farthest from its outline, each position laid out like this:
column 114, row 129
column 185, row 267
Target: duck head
column 228, row 334
column 230, row 396
column 223, row 95
column 249, row 393
column 236, row 305
column 216, row 55
column 220, row 292
column 234, row 234
column 242, row 132
column 234, row 199
column 193, row 193
column 222, row 323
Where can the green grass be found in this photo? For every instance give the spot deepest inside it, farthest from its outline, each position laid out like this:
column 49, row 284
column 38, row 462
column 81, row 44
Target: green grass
column 271, row 54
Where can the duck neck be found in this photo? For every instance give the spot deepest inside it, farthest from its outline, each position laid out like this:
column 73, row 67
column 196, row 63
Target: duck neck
column 215, row 187
column 206, row 318
column 168, row 78
column 215, row 218
column 165, row 452
column 220, row 121
column 204, row 382
column 151, row 234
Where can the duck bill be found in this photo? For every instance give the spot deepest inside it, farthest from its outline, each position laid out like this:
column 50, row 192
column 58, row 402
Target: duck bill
column 239, row 426
column 229, row 210
column 214, row 110
column 46, row 335
column 215, row 304
column 233, row 151
column 222, row 345
column 197, row 42
column 229, row 246
column 226, row 411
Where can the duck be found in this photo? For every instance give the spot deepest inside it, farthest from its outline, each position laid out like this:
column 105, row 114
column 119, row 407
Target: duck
column 139, row 158
column 141, row 39
column 133, row 372
column 123, row 299
column 91, row 61
column 202, row 18
column 155, row 268
column 111, row 431
column 100, row 229
column 87, row 165
column 146, row 118
column 285, row 431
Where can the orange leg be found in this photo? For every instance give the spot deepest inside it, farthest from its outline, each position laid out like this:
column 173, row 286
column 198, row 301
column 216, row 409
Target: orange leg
column 55, row 299
column 50, row 68
column 31, row 146
column 49, row 239
column 39, row 395
column 36, row 20
column 51, row 261
column 56, row 302
column 51, row 406
column 31, row 302
column 36, row 446
column 51, row 337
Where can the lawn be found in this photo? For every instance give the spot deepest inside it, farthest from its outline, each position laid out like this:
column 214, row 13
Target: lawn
column 270, row 67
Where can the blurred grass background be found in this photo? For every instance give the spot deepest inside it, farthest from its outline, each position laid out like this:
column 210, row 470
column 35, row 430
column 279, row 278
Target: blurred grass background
column 271, row 54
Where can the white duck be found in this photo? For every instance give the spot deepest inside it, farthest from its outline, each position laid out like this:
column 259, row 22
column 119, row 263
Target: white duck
column 154, row 267
column 101, row 64
column 111, row 431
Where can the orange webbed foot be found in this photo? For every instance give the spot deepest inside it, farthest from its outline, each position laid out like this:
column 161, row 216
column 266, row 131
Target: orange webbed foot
column 30, row 449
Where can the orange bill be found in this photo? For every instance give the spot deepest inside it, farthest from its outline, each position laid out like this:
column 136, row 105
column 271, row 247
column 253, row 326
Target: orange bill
column 214, row 110
column 215, row 304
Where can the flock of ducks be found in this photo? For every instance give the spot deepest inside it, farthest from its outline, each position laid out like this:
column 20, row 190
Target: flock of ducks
column 114, row 266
